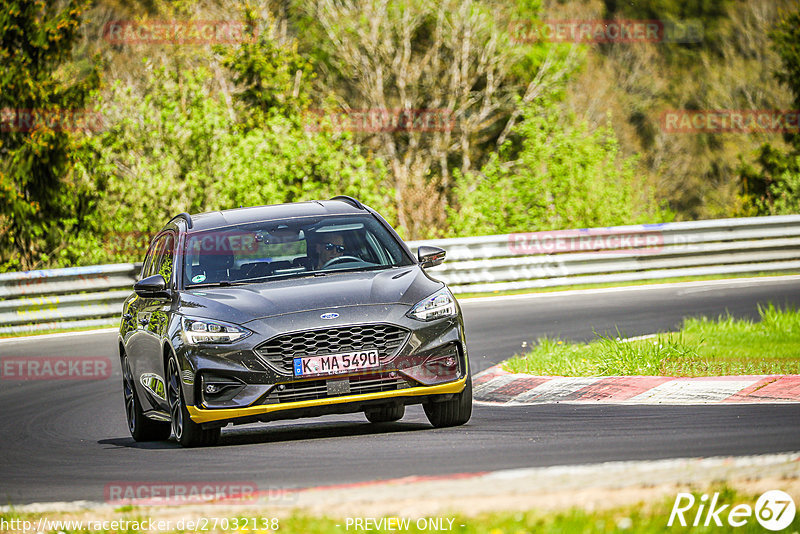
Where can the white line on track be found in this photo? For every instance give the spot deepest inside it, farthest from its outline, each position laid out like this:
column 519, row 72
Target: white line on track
column 648, row 287
column 40, row 337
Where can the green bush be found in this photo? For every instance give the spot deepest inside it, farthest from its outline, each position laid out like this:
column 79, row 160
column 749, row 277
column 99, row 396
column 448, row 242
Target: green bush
column 561, row 175
column 177, row 146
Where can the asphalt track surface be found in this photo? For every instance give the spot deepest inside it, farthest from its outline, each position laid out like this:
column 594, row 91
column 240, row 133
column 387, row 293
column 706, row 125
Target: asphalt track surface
column 68, row 440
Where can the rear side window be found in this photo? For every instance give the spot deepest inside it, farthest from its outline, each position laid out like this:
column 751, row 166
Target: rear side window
column 152, row 255
column 164, row 265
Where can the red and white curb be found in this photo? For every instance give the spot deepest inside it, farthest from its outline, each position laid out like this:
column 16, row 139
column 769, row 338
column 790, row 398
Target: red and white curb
column 498, row 386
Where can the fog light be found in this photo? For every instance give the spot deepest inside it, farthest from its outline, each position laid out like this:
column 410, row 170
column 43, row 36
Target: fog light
column 217, row 388
column 442, row 366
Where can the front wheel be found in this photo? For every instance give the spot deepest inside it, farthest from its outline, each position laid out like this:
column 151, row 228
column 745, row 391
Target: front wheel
column 187, row 432
column 140, row 427
column 453, row 412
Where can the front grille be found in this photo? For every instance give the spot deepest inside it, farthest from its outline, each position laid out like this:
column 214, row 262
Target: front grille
column 318, row 389
column 279, row 352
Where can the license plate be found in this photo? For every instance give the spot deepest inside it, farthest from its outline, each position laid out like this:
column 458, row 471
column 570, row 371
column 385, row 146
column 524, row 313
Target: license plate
column 332, row 364
column 339, row 386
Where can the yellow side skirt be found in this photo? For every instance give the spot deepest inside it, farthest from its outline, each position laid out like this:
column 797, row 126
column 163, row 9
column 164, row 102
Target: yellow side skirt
column 200, row 415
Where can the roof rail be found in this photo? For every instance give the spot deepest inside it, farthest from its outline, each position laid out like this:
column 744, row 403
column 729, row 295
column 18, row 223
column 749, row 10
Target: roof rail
column 350, row 200
column 185, row 216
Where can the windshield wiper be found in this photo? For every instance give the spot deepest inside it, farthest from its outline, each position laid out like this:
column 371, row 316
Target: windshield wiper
column 357, row 269
column 269, row 278
column 221, row 283
column 245, row 281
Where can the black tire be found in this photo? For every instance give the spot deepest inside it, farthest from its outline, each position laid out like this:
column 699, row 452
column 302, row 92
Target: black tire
column 140, row 427
column 453, row 412
column 386, row 414
column 187, row 432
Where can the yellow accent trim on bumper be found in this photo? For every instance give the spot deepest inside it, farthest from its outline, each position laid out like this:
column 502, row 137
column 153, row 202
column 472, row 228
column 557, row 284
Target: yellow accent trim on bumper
column 200, row 415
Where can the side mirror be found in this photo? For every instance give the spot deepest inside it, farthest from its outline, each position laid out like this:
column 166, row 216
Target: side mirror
column 152, row 287
column 430, row 256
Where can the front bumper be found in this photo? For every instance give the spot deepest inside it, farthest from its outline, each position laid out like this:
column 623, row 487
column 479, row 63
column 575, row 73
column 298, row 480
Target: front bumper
column 350, row 403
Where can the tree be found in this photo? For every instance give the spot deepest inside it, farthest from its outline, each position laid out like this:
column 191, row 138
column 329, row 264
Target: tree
column 44, row 111
column 174, row 144
column 272, row 77
column 450, row 66
column 277, row 157
column 773, row 184
column 562, row 176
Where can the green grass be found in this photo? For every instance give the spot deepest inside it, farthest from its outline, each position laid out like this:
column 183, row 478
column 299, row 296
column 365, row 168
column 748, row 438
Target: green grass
column 702, row 347
column 618, row 284
column 641, row 518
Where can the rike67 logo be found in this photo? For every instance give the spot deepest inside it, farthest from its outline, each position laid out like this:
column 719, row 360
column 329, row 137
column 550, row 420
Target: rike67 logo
column 774, row 510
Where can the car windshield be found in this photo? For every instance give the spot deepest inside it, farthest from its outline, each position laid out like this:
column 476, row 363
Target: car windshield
column 260, row 251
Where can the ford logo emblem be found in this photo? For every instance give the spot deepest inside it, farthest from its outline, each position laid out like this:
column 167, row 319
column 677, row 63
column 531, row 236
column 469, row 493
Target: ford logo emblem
column 329, row 316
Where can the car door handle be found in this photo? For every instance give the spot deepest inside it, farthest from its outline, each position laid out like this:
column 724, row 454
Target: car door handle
column 127, row 316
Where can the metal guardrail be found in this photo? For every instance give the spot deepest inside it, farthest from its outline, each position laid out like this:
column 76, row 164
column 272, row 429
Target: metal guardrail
column 92, row 296
column 64, row 298
column 620, row 254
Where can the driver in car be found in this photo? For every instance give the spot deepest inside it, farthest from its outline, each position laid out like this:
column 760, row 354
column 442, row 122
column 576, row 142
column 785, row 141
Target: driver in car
column 329, row 247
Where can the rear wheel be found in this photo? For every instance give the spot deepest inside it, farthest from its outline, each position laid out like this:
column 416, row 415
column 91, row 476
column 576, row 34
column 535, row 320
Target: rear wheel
column 187, row 432
column 386, row 414
column 453, row 412
column 140, row 427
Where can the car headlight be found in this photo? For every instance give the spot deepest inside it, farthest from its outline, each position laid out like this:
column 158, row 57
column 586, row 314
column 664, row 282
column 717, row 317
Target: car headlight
column 440, row 304
column 208, row 331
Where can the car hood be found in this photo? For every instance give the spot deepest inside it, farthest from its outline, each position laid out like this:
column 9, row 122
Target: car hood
column 240, row 304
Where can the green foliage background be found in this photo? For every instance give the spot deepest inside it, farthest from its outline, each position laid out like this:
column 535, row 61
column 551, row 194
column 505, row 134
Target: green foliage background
column 563, row 176
column 572, row 141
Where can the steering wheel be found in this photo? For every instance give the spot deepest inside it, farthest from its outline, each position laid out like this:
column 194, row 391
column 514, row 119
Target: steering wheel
column 257, row 267
column 340, row 259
